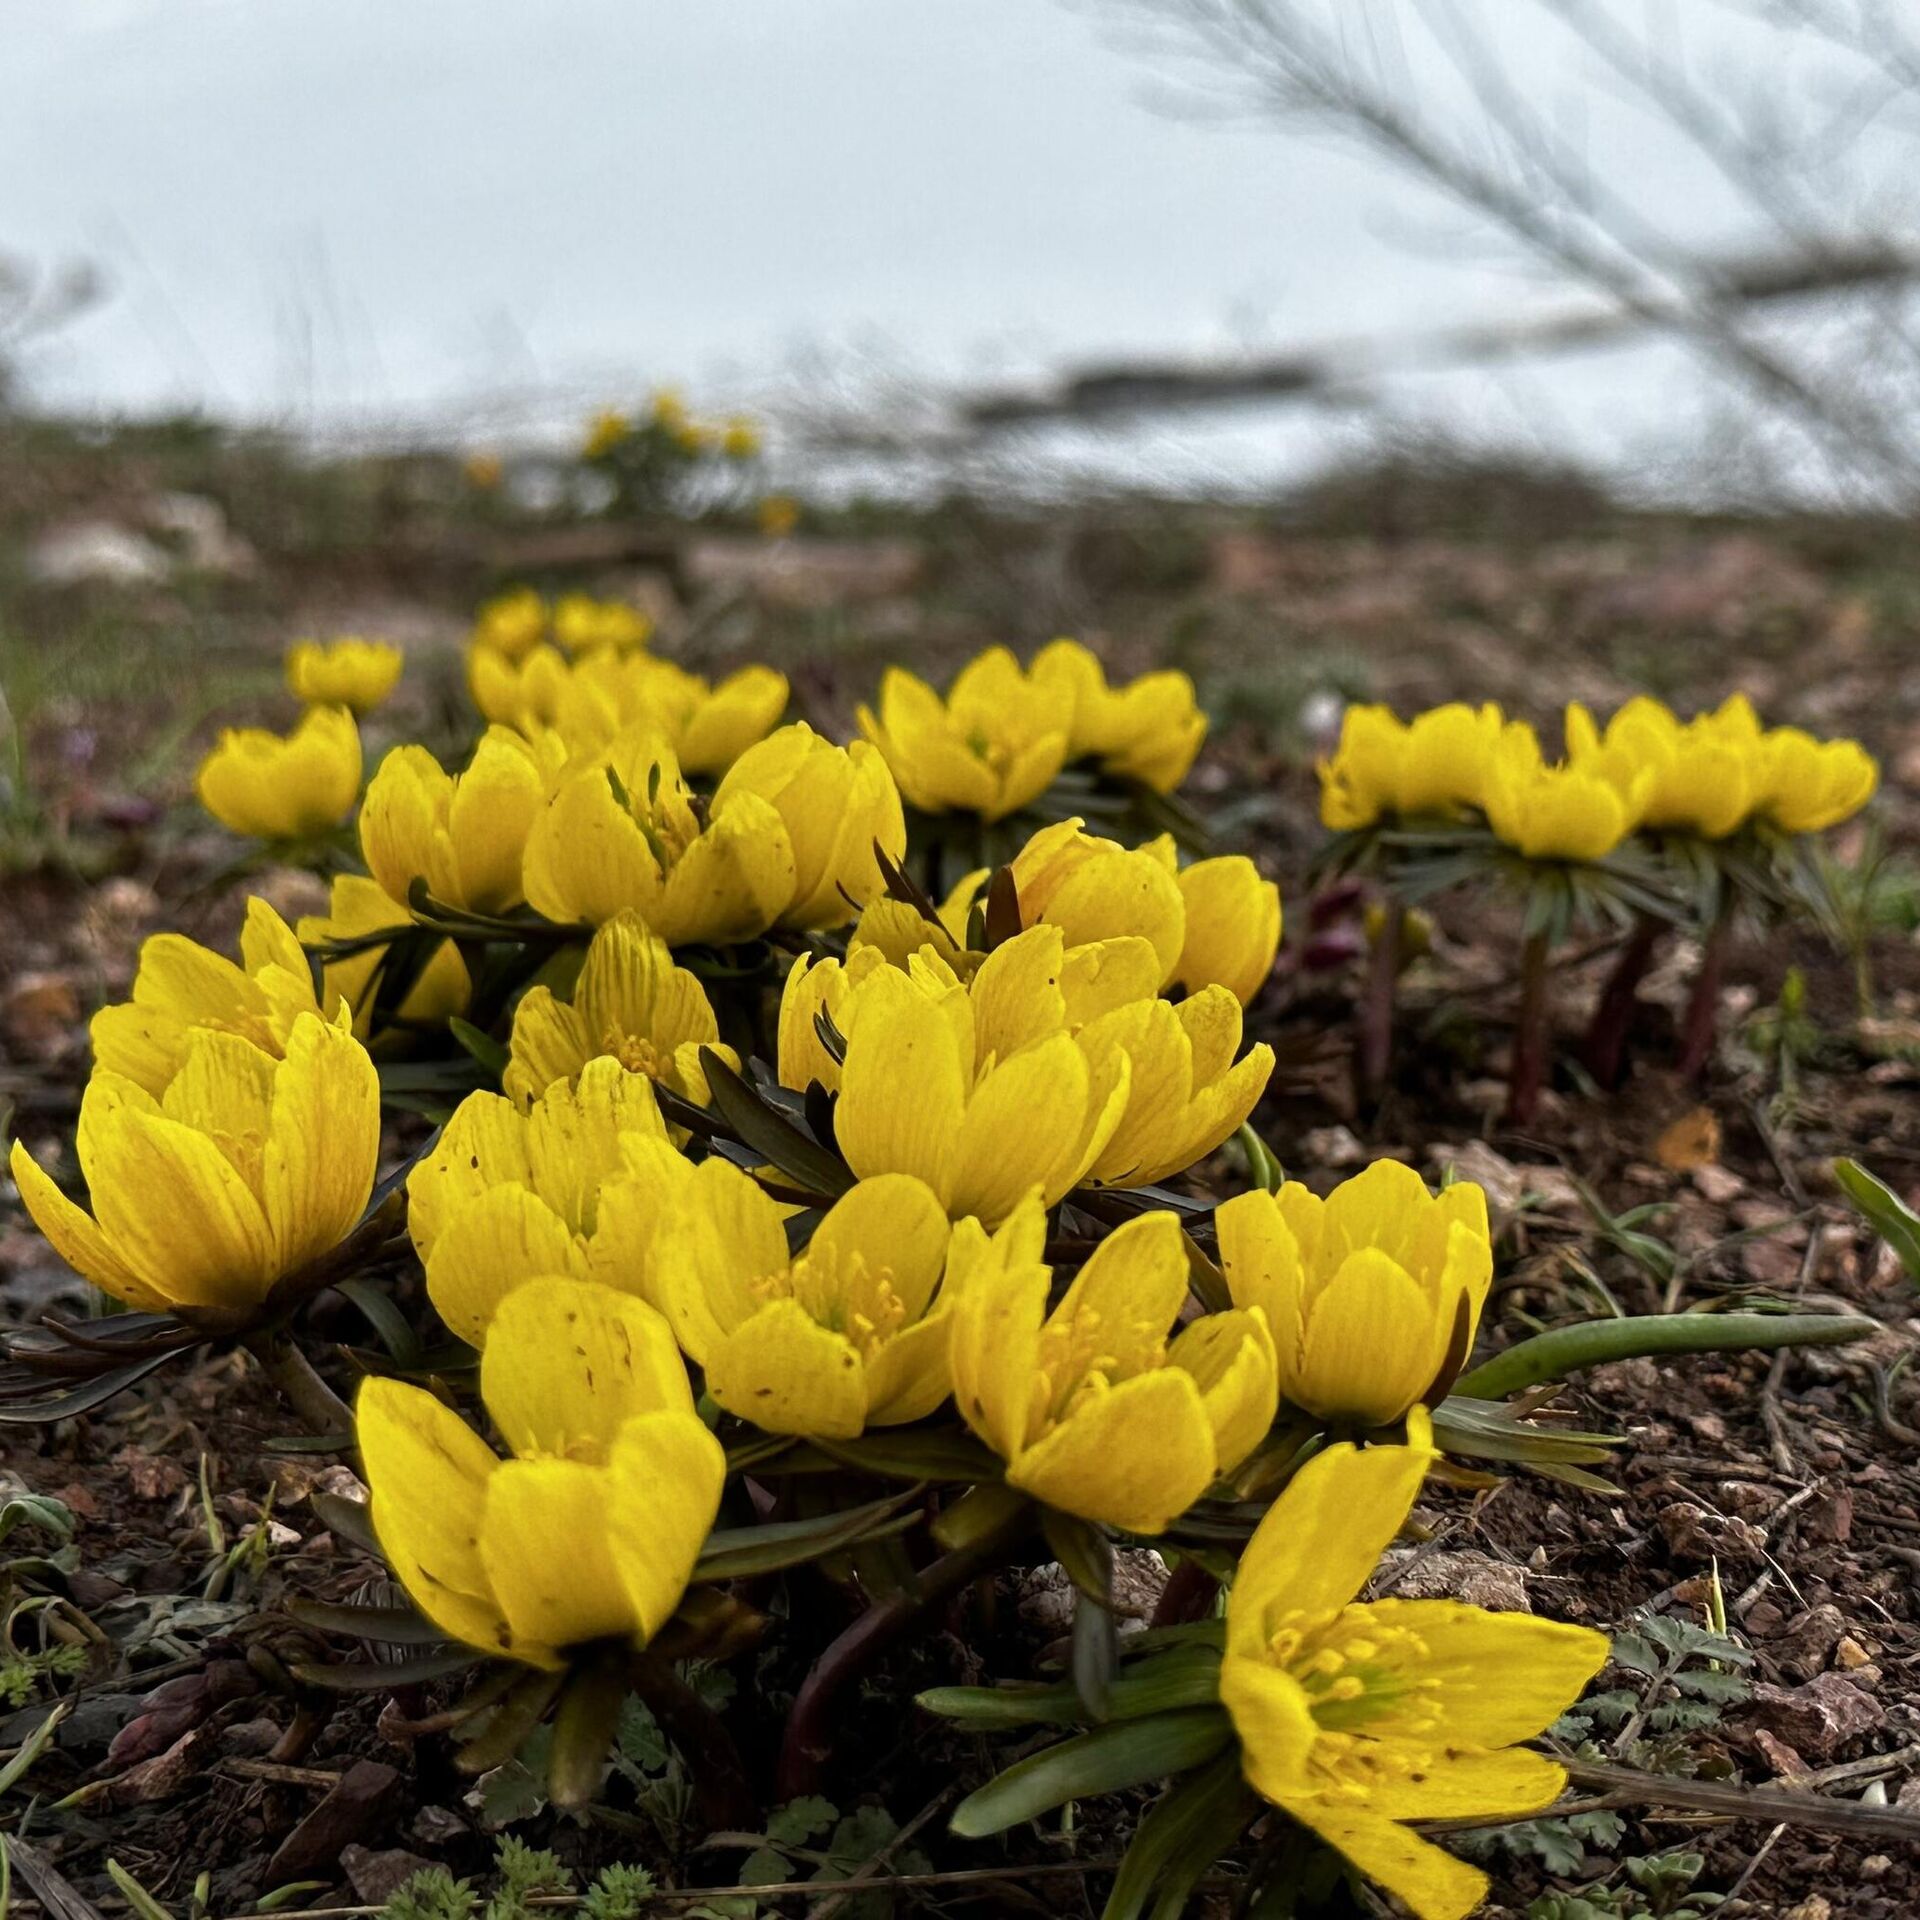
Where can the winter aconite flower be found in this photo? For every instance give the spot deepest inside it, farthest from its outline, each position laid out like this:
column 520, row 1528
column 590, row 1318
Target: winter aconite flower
column 849, row 1333
column 990, row 747
column 570, row 1186
column 1148, row 730
column 349, row 672
column 1570, row 811
column 284, row 787
column 464, row 833
column 1807, row 785
column 180, row 986
column 358, row 907
column 1186, row 1092
column 1092, row 1407
column 1232, row 927
column 1356, row 1717
column 1370, row 1293
column 631, row 1002
column 978, row 1090
column 244, row 1169
column 624, row 831
column 838, row 805
column 1388, row 768
column 1703, row 775
column 591, row 1531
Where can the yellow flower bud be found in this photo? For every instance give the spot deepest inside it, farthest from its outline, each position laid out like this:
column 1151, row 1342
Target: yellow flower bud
column 1232, row 927
column 349, row 672
column 1148, row 730
column 271, row 787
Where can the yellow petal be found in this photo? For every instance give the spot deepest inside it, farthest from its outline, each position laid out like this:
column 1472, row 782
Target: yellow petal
column 1275, row 1725
column 569, row 1362
column 323, row 1141
column 1432, row 1882
column 788, row 1374
column 1322, row 1539
column 633, row 1205
column 1466, row 1784
column 735, row 878
column 1230, row 1356
column 1232, row 926
column 1540, row 1667
column 586, row 857
column 495, row 1243
column 999, row 1288
column 903, row 1092
column 909, row 1375
column 574, row 1136
column 545, row 1545
column 667, row 1472
column 73, row 1236
column 1369, row 1347
column 721, row 1234
column 484, row 1145
column 427, row 1471
column 491, row 812
column 1130, row 1290
column 1097, row 978
column 549, row 1042
column 1136, row 1457
column 1264, row 1269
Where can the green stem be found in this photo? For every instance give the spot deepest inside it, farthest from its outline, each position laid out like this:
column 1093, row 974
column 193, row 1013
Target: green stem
column 1565, row 1350
column 325, row 1413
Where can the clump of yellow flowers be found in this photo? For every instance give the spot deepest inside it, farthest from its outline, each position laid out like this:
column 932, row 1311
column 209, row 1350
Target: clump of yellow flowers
column 817, row 1135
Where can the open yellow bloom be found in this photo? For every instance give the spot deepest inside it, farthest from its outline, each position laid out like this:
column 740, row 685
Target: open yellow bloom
column 631, row 1002
column 1094, row 1411
column 838, row 804
column 591, row 1531
column 522, row 691
column 1383, row 766
column 571, row 1185
column 514, row 623
column 850, row 1333
column 991, row 746
column 358, row 906
column 708, row 726
column 622, row 831
column 1808, row 785
column 1703, row 771
column 465, row 833
column 1148, row 730
column 292, row 787
column 1356, row 1716
column 979, row 1090
column 1368, row 1292
column 1572, row 811
column 1186, row 1094
column 245, row 1168
column 349, row 672
column 1232, row 927
column 180, row 985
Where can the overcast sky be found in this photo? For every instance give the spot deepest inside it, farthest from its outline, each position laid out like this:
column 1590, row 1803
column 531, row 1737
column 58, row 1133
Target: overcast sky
column 309, row 207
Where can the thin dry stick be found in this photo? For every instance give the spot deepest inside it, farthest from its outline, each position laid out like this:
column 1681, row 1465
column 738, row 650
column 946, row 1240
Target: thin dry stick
column 872, row 1871
column 1786, row 1804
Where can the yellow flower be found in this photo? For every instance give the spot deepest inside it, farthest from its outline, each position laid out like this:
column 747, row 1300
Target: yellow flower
column 244, row 1169
column 522, row 691
column 1232, row 927
column 606, row 433
column 1186, row 1094
column 979, row 1090
column 740, row 438
column 850, row 1333
column 180, row 985
column 1565, row 812
column 1148, row 730
column 350, row 672
column 708, row 727
column 463, row 833
column 1090, row 1406
column 358, row 906
column 483, row 471
column 514, row 623
column 591, row 1531
column 584, row 625
column 622, row 831
column 1703, row 773
column 1808, row 785
column 1093, row 889
column 837, row 804
column 292, row 787
column 994, row 744
column 814, row 987
column 777, row 515
column 1369, row 1292
column 1355, row 1716
column 631, row 1002
column 570, row 1185
column 1384, row 766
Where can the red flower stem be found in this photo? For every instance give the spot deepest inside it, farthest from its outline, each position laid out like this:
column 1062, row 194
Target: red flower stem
column 1373, row 1057
column 1527, row 1071
column 1606, row 1044
column 1702, row 1023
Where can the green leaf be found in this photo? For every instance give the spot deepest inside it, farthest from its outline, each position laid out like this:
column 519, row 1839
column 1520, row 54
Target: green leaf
column 32, row 1748
column 735, row 1553
column 1096, row 1653
column 1185, row 1677
column 1890, row 1217
column 583, row 1729
column 136, row 1896
column 770, row 1134
column 1126, row 1753
column 1084, row 1552
column 1188, row 1829
column 1566, row 1350
column 925, row 1454
column 483, row 1046
column 799, row 1820
column 391, row 1626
